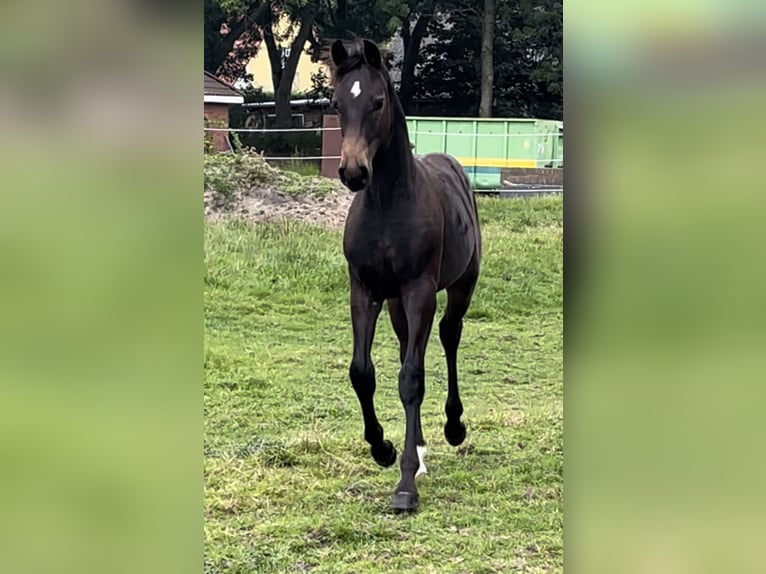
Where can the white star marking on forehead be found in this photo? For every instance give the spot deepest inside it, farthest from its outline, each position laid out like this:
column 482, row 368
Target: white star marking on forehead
column 355, row 89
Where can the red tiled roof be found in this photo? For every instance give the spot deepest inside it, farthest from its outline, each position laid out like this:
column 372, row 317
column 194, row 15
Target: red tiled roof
column 216, row 87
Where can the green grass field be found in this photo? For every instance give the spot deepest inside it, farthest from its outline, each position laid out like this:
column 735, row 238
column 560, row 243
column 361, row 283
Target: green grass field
column 289, row 483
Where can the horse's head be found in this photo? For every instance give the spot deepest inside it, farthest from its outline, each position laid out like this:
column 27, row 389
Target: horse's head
column 362, row 100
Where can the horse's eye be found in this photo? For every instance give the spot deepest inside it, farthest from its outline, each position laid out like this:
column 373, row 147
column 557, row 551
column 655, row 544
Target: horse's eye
column 377, row 104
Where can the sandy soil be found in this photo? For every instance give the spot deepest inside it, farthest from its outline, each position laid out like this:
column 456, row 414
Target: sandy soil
column 267, row 204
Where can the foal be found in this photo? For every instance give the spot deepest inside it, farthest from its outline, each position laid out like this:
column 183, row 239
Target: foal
column 411, row 230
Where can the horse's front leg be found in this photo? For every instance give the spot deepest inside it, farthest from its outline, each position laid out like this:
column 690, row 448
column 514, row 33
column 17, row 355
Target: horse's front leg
column 364, row 315
column 419, row 302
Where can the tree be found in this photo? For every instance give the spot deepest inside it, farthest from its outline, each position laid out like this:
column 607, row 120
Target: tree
column 487, row 66
column 448, row 77
column 231, row 35
column 283, row 67
column 318, row 22
column 249, row 23
column 376, row 20
column 527, row 61
column 236, row 29
column 529, row 77
column 460, row 70
column 414, row 26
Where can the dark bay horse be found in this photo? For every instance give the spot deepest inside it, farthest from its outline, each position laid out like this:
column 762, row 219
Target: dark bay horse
column 411, row 230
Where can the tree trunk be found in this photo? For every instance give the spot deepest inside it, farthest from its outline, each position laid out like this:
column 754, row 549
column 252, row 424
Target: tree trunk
column 282, row 78
column 341, row 18
column 411, row 41
column 275, row 60
column 487, row 65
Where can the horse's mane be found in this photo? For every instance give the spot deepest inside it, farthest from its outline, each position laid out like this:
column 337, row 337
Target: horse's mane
column 355, row 60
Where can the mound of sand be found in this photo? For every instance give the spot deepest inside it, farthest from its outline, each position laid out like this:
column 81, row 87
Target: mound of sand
column 243, row 186
column 265, row 204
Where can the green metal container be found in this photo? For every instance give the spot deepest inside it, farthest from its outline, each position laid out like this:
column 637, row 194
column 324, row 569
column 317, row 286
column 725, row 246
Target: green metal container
column 484, row 146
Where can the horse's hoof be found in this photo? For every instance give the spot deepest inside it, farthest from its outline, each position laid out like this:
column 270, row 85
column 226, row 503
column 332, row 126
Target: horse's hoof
column 455, row 433
column 384, row 456
column 405, row 502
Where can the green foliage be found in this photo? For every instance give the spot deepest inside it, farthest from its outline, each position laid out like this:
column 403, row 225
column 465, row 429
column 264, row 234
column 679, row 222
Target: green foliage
column 285, row 144
column 377, row 20
column 289, row 483
column 320, row 85
column 214, row 17
column 304, row 168
column 528, row 48
column 209, row 146
column 227, row 54
column 528, row 61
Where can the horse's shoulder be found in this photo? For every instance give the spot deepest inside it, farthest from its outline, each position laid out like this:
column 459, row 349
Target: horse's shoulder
column 444, row 167
column 437, row 160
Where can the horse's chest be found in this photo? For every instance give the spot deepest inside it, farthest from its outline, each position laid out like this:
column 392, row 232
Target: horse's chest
column 377, row 256
column 383, row 262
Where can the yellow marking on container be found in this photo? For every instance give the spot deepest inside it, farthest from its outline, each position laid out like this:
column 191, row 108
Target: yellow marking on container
column 492, row 162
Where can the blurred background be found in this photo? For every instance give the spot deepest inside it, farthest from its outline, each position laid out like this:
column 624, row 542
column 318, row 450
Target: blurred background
column 100, row 290
column 663, row 288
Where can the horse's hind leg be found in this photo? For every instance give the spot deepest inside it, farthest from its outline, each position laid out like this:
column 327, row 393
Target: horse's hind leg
column 450, row 329
column 364, row 315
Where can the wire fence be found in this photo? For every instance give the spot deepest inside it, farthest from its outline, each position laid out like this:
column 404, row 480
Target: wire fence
column 267, row 130
column 557, row 162
column 414, row 132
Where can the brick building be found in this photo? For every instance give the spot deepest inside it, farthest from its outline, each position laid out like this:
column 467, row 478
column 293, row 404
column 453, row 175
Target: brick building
column 218, row 97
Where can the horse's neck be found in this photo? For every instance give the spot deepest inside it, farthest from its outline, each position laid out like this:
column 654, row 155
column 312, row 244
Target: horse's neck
column 394, row 166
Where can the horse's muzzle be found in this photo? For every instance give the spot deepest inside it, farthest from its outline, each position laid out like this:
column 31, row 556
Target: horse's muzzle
column 354, row 179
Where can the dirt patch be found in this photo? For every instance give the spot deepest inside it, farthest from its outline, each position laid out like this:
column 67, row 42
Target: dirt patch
column 243, row 186
column 267, row 204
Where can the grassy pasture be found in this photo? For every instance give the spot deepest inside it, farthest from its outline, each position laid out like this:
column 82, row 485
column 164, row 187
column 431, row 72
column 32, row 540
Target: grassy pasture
column 289, row 483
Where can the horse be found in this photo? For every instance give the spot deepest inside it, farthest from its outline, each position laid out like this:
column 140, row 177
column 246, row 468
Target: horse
column 411, row 231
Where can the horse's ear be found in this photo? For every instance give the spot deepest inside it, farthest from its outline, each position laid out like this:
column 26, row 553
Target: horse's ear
column 338, row 52
column 372, row 54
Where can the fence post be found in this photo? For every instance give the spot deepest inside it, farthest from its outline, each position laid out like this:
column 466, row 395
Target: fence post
column 331, row 145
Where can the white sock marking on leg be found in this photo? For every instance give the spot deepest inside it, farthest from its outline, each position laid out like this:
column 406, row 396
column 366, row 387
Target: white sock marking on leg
column 421, row 460
column 355, row 89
